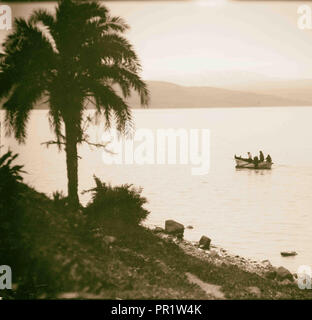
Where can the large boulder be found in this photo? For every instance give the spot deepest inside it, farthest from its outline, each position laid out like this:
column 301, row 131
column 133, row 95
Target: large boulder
column 282, row 274
column 204, row 243
column 174, row 228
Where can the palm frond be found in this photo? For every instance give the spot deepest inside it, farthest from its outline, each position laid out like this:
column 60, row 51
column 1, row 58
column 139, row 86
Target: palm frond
column 118, row 48
column 18, row 106
column 48, row 21
column 109, row 103
column 116, row 24
column 27, row 52
column 6, row 83
column 126, row 79
column 44, row 17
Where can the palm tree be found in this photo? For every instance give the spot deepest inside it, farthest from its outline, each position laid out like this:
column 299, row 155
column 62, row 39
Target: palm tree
column 73, row 57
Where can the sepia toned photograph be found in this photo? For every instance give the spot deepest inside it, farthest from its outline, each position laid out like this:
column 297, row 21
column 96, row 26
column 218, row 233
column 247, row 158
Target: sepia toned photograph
column 156, row 150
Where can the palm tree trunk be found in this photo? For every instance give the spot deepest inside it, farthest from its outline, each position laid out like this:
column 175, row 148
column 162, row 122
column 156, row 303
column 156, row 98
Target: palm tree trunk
column 72, row 165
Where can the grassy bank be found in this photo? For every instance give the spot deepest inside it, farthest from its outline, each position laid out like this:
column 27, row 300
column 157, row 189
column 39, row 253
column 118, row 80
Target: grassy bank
column 57, row 254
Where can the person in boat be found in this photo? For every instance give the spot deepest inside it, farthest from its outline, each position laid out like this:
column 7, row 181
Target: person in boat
column 256, row 161
column 268, row 159
column 261, row 156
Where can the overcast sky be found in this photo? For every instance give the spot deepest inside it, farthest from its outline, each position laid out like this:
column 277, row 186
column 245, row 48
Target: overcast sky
column 196, row 41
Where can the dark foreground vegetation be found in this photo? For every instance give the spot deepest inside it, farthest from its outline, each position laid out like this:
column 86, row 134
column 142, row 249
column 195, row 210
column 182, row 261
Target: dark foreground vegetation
column 101, row 251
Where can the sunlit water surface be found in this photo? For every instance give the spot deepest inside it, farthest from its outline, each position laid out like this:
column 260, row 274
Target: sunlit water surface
column 256, row 214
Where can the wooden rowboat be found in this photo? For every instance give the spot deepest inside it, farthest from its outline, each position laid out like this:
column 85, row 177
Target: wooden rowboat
column 244, row 163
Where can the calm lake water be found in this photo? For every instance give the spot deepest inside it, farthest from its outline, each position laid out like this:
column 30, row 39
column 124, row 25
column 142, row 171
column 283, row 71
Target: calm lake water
column 256, row 214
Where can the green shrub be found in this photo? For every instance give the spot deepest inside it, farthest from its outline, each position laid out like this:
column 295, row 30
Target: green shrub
column 10, row 176
column 10, row 190
column 59, row 200
column 121, row 203
column 11, row 209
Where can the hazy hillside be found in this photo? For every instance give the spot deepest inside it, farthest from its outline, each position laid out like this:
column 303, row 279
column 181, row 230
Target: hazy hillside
column 290, row 89
column 169, row 95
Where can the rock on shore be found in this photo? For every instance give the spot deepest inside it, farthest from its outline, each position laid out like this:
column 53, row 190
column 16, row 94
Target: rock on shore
column 174, row 228
column 219, row 256
column 204, row 243
column 282, row 274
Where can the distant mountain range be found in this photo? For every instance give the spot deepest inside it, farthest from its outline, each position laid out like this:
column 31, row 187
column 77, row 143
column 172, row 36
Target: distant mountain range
column 300, row 90
column 170, row 95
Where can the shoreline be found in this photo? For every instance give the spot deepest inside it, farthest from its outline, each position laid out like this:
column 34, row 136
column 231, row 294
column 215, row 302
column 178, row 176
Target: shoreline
column 74, row 257
column 219, row 256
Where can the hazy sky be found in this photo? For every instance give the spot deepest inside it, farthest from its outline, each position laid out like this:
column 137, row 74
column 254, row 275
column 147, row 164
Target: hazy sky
column 198, row 41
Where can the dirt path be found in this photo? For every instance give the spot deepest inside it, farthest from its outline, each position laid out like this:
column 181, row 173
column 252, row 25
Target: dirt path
column 210, row 289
